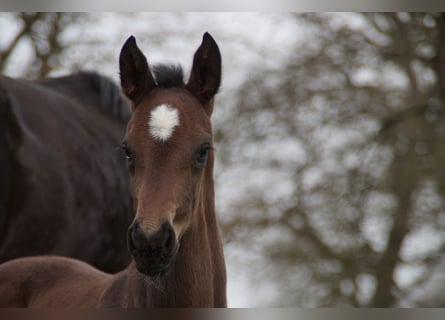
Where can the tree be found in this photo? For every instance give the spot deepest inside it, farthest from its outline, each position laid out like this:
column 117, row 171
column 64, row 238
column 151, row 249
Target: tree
column 42, row 32
column 360, row 104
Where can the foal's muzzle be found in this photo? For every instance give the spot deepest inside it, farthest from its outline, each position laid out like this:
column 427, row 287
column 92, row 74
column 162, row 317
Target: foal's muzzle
column 153, row 254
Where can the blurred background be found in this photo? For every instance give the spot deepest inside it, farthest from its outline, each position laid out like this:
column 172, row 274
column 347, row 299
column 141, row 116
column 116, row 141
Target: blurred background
column 330, row 141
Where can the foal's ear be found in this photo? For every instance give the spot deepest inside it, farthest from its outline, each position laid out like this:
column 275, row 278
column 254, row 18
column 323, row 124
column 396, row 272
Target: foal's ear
column 136, row 78
column 205, row 77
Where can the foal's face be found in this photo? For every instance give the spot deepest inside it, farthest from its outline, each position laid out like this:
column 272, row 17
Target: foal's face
column 168, row 146
column 168, row 141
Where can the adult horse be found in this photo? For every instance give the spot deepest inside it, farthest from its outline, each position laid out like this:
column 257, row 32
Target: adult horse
column 64, row 188
column 174, row 239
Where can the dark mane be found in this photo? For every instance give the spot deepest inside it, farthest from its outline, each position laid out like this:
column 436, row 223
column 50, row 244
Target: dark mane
column 168, row 75
column 112, row 101
column 91, row 88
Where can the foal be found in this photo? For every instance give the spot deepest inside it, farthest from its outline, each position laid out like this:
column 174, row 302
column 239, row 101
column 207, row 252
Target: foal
column 174, row 238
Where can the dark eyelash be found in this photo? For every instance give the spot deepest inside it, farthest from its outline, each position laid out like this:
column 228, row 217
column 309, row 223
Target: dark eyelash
column 127, row 151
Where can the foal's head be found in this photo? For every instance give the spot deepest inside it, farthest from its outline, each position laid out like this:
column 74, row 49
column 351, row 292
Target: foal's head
column 168, row 145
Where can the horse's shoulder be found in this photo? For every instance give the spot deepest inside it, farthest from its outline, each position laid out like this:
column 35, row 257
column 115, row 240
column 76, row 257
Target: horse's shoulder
column 46, row 279
column 46, row 268
column 62, row 265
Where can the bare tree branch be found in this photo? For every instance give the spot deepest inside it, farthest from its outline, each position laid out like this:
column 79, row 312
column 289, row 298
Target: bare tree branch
column 28, row 22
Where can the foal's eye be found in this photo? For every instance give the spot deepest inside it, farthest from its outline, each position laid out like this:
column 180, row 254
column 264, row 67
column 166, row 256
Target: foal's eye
column 202, row 154
column 128, row 153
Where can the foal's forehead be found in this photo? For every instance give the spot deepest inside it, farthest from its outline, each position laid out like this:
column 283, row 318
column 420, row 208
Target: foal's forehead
column 166, row 115
column 162, row 121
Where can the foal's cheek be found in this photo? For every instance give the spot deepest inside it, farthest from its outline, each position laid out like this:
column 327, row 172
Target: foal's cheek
column 135, row 204
column 181, row 221
column 136, row 186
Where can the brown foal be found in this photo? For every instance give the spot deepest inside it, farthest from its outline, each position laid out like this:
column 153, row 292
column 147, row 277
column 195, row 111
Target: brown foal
column 174, row 240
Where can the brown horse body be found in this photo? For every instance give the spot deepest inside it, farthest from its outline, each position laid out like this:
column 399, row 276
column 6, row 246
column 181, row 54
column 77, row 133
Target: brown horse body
column 174, row 239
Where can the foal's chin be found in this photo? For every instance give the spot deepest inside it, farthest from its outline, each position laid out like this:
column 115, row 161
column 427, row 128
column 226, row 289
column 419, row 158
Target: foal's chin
column 152, row 263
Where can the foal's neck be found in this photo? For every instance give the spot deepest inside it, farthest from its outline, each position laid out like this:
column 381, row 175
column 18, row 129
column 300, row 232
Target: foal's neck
column 197, row 277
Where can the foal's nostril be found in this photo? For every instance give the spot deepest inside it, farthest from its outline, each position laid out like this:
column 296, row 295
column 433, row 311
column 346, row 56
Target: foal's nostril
column 163, row 239
column 136, row 237
column 169, row 236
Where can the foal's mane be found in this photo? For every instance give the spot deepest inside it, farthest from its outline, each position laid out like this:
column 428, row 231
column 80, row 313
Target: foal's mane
column 168, row 75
